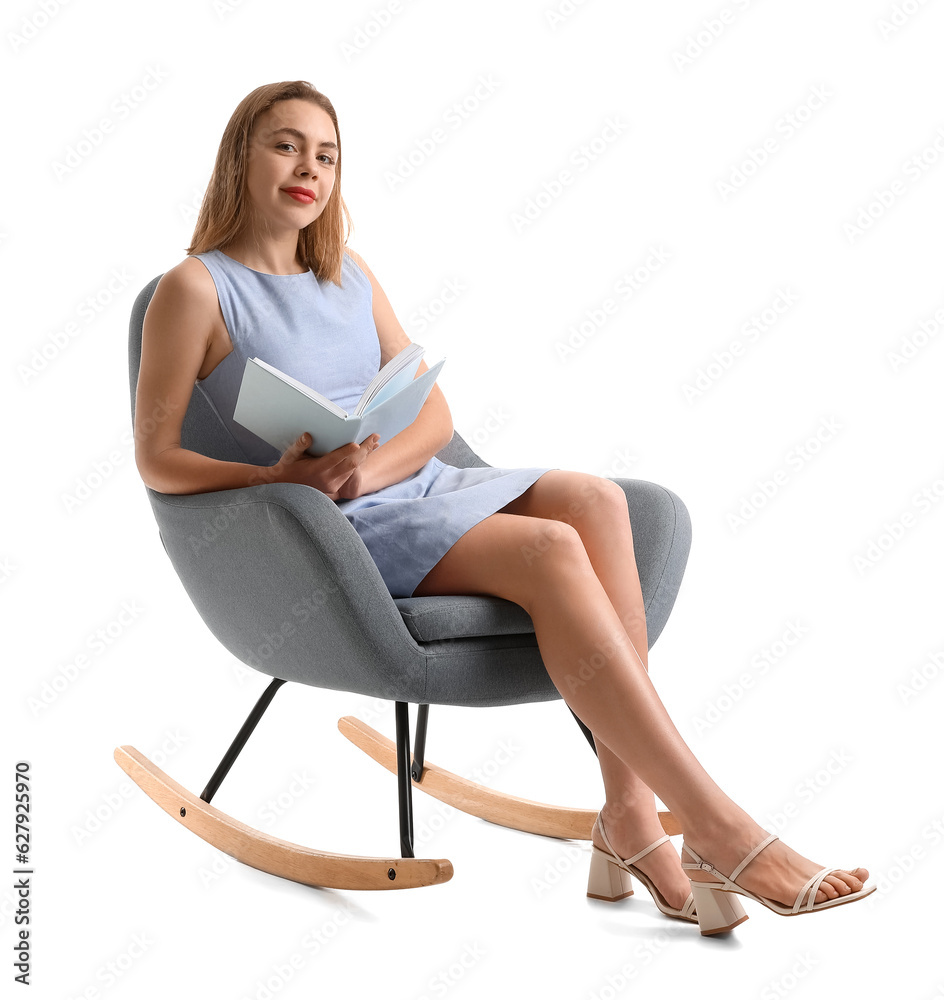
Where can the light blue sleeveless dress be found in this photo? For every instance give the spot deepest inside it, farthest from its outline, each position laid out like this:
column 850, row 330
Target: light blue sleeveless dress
column 324, row 336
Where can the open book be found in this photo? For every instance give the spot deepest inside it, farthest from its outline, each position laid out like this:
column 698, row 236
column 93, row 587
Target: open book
column 279, row 408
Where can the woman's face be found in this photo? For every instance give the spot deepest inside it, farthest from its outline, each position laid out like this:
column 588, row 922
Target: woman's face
column 293, row 145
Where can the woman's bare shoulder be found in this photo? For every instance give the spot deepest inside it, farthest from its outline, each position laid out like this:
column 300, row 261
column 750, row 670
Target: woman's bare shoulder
column 361, row 263
column 190, row 279
column 186, row 297
column 356, row 256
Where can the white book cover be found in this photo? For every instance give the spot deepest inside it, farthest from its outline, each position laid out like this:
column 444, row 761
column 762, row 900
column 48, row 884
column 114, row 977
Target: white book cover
column 278, row 408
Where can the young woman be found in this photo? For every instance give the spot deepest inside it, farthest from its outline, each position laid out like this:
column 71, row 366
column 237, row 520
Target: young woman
column 269, row 274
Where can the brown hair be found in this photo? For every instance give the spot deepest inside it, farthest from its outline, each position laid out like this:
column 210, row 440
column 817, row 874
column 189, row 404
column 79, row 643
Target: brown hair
column 223, row 216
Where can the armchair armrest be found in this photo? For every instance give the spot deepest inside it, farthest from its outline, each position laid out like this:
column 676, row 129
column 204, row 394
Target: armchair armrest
column 662, row 539
column 285, row 583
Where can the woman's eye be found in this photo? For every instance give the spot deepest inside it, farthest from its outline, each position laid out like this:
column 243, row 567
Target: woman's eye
column 327, row 158
column 289, row 144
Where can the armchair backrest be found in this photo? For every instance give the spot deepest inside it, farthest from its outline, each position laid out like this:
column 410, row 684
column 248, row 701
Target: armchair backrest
column 202, row 431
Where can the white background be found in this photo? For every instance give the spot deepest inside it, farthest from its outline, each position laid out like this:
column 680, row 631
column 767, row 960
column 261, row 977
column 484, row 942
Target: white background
column 836, row 746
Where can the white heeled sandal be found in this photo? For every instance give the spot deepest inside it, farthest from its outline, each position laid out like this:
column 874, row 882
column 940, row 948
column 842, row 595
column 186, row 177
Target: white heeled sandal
column 720, row 910
column 611, row 877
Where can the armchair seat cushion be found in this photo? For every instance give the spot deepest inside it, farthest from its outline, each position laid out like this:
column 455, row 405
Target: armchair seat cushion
column 460, row 617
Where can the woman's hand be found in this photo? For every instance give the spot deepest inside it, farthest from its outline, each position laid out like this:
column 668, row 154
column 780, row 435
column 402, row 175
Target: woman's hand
column 354, row 487
column 335, row 473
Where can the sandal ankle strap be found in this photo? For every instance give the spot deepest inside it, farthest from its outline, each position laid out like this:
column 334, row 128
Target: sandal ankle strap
column 704, row 866
column 635, row 857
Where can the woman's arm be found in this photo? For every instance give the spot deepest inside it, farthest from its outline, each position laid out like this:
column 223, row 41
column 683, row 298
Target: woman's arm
column 178, row 329
column 413, row 447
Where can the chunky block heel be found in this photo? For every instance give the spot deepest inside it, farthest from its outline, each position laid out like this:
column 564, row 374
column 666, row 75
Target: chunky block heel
column 717, row 911
column 607, row 880
column 610, row 877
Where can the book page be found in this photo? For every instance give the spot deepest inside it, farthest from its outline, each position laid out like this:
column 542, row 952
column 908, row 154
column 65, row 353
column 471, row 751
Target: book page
column 408, row 360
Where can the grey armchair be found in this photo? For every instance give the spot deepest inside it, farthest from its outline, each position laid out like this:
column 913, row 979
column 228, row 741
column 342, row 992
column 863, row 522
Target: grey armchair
column 284, row 582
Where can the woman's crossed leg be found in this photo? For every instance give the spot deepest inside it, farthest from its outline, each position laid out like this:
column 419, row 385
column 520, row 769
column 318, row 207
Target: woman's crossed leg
column 576, row 578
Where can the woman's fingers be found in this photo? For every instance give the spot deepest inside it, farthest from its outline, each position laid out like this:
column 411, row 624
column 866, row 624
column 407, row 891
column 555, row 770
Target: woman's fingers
column 295, row 449
column 331, row 470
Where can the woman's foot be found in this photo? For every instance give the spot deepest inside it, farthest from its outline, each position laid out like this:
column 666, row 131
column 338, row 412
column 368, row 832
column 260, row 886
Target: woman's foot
column 631, row 831
column 777, row 872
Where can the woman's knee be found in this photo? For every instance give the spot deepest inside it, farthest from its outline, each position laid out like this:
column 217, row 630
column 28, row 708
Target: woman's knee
column 596, row 505
column 568, row 496
column 607, row 494
column 508, row 555
column 553, row 546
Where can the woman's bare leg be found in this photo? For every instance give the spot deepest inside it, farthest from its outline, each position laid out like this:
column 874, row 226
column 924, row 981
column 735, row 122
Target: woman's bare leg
column 597, row 509
column 575, row 621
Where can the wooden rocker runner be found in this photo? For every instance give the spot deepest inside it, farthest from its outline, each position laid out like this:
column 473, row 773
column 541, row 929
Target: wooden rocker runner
column 285, row 583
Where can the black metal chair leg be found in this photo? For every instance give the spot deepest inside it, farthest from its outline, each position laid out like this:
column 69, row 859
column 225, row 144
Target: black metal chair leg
column 585, row 731
column 404, row 782
column 244, row 733
column 419, row 745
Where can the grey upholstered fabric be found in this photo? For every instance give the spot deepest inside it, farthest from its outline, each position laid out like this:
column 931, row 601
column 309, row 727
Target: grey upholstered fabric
column 284, row 582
